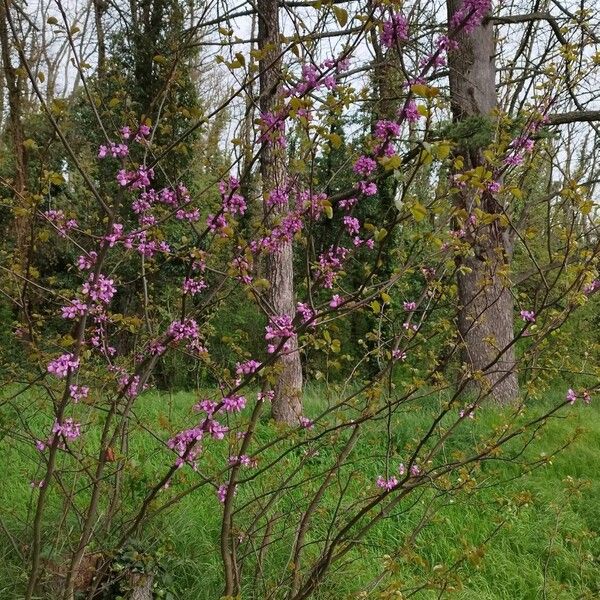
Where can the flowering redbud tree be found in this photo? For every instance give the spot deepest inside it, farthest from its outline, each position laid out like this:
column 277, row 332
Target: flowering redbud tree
column 401, row 266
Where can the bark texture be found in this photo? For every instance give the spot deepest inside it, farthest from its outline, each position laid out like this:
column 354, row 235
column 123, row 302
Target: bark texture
column 486, row 308
column 15, row 111
column 287, row 403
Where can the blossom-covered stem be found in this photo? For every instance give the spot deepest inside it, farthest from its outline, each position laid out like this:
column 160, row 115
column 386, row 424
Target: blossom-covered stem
column 54, row 445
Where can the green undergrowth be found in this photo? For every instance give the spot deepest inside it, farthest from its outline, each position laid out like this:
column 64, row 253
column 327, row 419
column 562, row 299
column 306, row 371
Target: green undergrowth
column 519, row 537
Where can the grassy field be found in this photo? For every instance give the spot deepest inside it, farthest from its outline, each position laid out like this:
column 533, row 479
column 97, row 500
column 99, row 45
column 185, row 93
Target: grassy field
column 547, row 547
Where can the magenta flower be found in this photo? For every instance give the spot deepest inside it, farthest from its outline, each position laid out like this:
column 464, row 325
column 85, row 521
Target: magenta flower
column 399, row 355
column 78, row 392
column 76, row 308
column 305, row 312
column 364, row 166
column 234, row 403
column 386, row 129
column 387, row 484
column 102, row 290
column 351, row 224
column 336, row 301
column 411, row 112
column 368, row 188
column 306, row 423
column 247, row 368
column 69, row 429
column 187, row 329
column 280, row 327
column 528, row 316
column 85, row 263
column 61, row 365
column 394, row 30
column 193, row 286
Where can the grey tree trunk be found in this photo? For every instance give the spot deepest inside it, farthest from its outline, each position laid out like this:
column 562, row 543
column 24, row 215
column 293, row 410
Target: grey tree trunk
column 486, row 308
column 287, row 403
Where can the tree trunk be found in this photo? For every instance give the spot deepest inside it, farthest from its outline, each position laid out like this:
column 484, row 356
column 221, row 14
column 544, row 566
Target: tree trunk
column 99, row 8
column 486, row 310
column 287, row 403
column 21, row 225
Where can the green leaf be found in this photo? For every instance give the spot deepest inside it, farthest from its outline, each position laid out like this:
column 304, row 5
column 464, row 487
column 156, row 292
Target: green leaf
column 418, row 211
column 381, row 234
column 341, row 15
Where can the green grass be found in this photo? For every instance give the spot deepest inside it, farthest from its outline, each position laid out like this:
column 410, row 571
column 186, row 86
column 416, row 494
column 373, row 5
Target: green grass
column 547, row 547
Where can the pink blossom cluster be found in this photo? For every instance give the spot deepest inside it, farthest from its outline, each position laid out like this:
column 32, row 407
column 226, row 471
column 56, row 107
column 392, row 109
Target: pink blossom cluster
column 572, row 396
column 330, row 264
column 470, row 15
column 266, row 396
column 60, row 366
column 351, row 224
column 278, row 198
column 242, row 265
column 142, row 132
column 185, row 445
column 217, row 224
column 395, row 30
column 100, row 288
column 131, row 385
column 216, row 430
column 75, row 308
column 273, row 129
column 306, row 423
column 411, row 112
column 279, row 328
column 347, row 203
column 336, row 301
column 193, row 286
column 233, row 202
column 399, row 355
column 234, row 403
column 367, row 188
column 528, row 316
column 113, row 149
column 306, row 313
column 315, row 77
column 386, row 129
column 387, row 484
column 364, row 166
column 85, row 263
column 184, row 330
column 206, row 405
column 141, row 178
column 78, row 392
column 312, row 203
column 247, row 368
column 244, row 460
column 60, row 221
column 415, row 470
column 222, row 492
column 68, row 429
column 280, row 235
